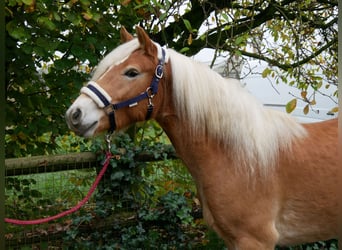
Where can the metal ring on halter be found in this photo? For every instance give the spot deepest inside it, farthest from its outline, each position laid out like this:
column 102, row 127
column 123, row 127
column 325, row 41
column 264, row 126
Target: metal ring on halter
column 149, row 92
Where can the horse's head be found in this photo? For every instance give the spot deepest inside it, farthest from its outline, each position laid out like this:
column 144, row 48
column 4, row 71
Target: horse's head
column 123, row 89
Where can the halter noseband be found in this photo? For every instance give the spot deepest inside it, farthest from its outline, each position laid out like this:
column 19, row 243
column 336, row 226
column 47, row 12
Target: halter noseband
column 103, row 99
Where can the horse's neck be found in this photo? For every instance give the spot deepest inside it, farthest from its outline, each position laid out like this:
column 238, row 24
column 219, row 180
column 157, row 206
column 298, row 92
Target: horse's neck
column 252, row 134
column 197, row 151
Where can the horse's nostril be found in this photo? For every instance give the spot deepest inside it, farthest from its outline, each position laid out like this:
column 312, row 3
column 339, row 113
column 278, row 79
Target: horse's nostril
column 75, row 116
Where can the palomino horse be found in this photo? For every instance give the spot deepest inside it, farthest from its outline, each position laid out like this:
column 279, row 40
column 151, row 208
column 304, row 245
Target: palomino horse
column 262, row 178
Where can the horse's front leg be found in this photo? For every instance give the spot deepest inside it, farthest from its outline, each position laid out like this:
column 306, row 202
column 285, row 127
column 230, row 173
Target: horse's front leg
column 245, row 227
column 250, row 243
column 243, row 233
column 242, row 239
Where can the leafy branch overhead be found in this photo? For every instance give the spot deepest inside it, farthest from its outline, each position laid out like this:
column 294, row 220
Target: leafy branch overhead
column 298, row 39
column 52, row 46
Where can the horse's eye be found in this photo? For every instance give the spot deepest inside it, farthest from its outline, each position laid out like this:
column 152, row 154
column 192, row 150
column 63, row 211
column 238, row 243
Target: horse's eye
column 131, row 73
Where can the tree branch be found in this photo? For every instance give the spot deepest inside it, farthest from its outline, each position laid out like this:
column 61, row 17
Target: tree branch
column 201, row 10
column 276, row 63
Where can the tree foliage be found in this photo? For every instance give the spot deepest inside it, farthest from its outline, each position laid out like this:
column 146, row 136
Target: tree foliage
column 52, row 46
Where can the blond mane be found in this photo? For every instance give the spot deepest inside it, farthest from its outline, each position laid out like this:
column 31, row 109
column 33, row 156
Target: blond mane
column 223, row 109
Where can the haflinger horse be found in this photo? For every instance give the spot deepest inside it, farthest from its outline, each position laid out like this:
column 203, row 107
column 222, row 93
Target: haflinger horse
column 263, row 179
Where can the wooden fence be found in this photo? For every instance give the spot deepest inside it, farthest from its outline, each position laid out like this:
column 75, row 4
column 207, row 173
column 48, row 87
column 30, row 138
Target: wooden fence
column 19, row 237
column 49, row 163
column 62, row 162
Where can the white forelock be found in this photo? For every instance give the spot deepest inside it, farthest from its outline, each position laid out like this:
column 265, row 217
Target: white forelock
column 115, row 57
column 119, row 55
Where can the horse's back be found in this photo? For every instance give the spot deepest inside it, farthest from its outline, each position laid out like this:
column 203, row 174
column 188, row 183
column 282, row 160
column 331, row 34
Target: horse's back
column 309, row 178
column 321, row 144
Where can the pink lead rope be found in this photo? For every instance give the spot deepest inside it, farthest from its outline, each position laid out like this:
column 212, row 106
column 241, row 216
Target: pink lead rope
column 75, row 208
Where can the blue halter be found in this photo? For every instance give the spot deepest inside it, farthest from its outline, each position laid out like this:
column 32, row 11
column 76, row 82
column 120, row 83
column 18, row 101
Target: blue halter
column 150, row 92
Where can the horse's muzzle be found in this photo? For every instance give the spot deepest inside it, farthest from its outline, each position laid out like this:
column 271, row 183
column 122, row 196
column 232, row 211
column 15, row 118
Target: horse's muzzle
column 78, row 122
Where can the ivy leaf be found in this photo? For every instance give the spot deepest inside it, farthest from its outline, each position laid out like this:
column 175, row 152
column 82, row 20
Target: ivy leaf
column 291, row 105
column 117, row 176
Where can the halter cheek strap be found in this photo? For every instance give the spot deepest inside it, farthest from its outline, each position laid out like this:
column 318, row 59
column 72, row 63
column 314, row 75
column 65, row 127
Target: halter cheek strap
column 103, row 99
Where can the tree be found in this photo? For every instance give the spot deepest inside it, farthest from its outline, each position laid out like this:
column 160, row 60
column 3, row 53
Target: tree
column 41, row 83
column 52, row 46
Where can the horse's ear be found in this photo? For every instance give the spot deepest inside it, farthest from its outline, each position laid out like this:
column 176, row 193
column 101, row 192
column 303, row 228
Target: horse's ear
column 145, row 41
column 125, row 36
